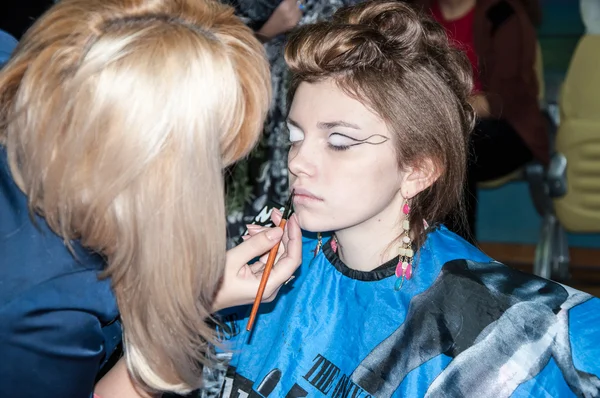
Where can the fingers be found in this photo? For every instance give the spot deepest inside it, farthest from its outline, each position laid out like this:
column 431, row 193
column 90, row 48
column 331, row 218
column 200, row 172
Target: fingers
column 253, row 229
column 255, row 246
column 241, row 280
column 289, row 256
column 257, row 267
column 294, row 232
column 286, row 232
column 271, row 297
column 294, row 255
column 276, row 216
column 289, row 263
column 265, row 256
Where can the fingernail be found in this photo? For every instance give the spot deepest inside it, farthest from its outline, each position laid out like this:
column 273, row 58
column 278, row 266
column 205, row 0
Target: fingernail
column 253, row 226
column 245, row 237
column 275, row 234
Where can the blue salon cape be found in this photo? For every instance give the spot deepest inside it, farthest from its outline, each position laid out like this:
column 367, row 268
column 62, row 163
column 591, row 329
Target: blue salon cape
column 58, row 321
column 463, row 326
column 7, row 46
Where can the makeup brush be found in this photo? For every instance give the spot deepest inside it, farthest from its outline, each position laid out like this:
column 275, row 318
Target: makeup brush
column 287, row 212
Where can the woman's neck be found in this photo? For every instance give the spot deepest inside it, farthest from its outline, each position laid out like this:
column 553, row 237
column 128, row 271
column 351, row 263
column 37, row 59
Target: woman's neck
column 366, row 246
column 454, row 9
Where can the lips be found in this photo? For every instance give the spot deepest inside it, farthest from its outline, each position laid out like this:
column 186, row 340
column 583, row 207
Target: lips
column 301, row 194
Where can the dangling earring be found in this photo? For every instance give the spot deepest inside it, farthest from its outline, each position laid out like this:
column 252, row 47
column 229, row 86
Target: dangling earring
column 319, row 244
column 405, row 258
column 334, row 244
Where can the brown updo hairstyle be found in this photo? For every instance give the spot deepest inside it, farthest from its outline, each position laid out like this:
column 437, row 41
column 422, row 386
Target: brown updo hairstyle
column 398, row 62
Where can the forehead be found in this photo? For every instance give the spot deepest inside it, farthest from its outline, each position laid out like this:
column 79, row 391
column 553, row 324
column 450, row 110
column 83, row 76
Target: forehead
column 324, row 101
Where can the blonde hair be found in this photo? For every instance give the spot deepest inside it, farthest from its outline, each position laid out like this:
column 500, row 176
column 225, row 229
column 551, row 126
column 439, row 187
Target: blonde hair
column 118, row 117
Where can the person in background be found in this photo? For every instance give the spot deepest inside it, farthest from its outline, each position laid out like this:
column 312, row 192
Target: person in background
column 117, row 118
column 499, row 39
column 262, row 179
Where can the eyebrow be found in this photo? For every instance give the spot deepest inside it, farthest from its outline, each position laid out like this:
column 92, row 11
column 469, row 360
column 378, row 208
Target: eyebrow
column 337, row 123
column 327, row 125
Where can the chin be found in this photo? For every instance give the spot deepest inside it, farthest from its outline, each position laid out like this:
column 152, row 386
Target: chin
column 310, row 222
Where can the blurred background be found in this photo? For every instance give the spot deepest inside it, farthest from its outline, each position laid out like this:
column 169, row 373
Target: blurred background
column 509, row 226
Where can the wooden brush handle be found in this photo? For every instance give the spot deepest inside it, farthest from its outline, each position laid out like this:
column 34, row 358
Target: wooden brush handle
column 264, row 279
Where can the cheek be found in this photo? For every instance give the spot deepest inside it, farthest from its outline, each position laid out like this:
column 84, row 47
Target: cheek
column 352, row 191
column 364, row 188
column 361, row 181
column 340, row 191
column 348, row 190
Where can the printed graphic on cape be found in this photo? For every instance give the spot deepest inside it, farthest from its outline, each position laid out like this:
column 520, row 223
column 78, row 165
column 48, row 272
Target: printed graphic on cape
column 524, row 323
column 323, row 378
column 501, row 327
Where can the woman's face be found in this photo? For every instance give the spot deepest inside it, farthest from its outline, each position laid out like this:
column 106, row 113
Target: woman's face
column 342, row 162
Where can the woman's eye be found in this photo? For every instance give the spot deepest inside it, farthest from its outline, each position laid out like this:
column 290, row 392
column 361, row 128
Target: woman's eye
column 340, row 142
column 296, row 135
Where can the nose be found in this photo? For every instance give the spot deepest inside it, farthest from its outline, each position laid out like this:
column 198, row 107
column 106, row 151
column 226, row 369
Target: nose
column 301, row 160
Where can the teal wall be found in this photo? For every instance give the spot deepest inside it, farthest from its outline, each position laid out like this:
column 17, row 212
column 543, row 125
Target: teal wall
column 559, row 33
column 507, row 215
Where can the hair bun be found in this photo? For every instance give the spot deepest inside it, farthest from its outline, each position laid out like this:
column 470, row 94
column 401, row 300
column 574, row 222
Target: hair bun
column 398, row 25
column 410, row 36
column 375, row 34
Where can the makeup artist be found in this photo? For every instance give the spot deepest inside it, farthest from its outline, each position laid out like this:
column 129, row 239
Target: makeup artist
column 113, row 138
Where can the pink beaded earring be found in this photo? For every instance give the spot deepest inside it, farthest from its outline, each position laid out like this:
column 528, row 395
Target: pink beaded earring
column 404, row 267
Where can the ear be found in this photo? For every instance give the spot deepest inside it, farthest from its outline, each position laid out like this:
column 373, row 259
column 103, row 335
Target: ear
column 419, row 177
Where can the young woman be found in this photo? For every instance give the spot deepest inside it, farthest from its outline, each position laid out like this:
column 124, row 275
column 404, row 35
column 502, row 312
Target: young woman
column 391, row 303
column 117, row 119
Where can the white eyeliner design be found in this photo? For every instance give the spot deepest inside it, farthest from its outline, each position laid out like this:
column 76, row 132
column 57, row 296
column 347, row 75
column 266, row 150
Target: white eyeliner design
column 296, row 134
